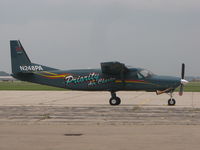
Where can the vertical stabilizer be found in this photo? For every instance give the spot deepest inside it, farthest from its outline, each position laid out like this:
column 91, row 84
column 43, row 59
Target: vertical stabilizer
column 20, row 61
column 19, row 57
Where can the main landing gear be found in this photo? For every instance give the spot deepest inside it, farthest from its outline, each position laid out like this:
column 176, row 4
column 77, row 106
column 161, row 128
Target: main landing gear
column 171, row 101
column 114, row 100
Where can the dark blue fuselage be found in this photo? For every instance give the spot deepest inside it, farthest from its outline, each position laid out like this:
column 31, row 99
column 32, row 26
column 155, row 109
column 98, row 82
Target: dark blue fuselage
column 95, row 80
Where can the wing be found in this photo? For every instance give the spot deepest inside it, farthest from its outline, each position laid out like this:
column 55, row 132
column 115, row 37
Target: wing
column 113, row 68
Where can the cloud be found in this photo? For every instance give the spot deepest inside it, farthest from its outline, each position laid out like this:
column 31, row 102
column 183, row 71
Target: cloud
column 24, row 11
column 144, row 33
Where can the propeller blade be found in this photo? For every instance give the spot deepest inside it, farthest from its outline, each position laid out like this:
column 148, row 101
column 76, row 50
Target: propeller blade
column 183, row 71
column 183, row 81
column 181, row 90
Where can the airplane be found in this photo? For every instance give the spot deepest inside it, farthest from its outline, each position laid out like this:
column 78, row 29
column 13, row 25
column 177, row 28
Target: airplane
column 112, row 77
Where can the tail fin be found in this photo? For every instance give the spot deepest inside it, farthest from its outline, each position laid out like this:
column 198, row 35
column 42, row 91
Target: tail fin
column 19, row 57
column 20, row 61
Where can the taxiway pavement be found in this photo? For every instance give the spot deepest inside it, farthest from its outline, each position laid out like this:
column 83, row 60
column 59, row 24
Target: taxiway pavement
column 84, row 120
column 99, row 99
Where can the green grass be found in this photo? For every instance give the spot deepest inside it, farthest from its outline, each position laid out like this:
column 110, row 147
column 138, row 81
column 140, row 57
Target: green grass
column 192, row 87
column 20, row 85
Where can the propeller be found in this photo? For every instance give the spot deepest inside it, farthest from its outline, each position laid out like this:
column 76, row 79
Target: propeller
column 183, row 81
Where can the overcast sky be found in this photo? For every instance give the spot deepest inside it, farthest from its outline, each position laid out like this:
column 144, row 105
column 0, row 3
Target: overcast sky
column 155, row 34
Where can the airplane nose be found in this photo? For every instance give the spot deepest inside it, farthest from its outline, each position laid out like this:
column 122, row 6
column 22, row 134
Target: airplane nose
column 183, row 81
column 167, row 81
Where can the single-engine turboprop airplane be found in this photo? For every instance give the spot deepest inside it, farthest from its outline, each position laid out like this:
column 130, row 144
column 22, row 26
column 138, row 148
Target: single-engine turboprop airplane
column 112, row 77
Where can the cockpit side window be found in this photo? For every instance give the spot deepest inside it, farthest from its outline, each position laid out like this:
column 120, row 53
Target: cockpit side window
column 134, row 75
column 144, row 74
column 139, row 76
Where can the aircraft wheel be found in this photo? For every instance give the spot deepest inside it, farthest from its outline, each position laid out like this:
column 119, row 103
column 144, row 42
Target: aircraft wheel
column 115, row 101
column 171, row 102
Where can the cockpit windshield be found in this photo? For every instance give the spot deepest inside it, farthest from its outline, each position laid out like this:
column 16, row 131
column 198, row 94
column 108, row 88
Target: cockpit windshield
column 144, row 74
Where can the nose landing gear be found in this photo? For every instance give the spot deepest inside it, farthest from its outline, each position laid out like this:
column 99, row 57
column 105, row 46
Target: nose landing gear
column 171, row 101
column 114, row 100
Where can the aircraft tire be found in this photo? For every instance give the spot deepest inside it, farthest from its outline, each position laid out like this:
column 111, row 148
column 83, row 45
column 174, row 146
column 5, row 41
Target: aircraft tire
column 115, row 101
column 171, row 102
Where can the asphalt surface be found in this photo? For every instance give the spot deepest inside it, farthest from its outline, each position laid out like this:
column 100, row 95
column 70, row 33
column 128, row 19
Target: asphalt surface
column 84, row 120
column 70, row 107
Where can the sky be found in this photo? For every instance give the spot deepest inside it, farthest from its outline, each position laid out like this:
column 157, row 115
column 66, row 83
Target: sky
column 157, row 35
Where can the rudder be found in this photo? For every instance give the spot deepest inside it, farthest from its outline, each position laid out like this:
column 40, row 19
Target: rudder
column 18, row 56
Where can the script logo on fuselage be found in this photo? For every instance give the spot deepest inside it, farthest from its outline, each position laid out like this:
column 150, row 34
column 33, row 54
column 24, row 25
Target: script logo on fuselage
column 31, row 68
column 92, row 79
